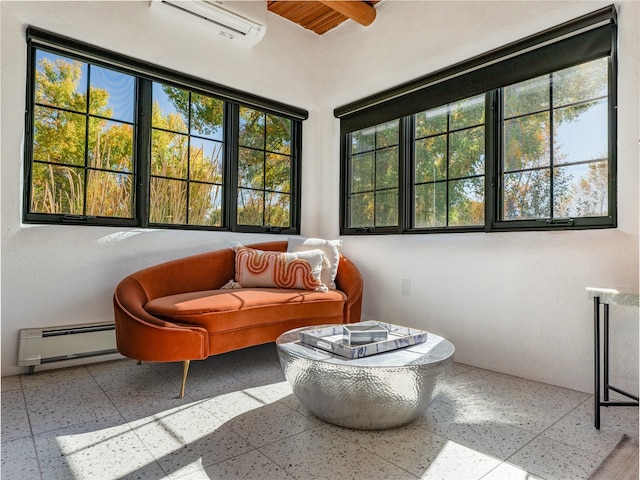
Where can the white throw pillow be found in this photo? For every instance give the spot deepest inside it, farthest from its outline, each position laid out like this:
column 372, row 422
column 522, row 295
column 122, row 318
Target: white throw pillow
column 330, row 249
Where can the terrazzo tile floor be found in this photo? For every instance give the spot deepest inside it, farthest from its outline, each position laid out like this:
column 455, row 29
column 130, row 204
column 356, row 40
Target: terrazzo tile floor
column 240, row 420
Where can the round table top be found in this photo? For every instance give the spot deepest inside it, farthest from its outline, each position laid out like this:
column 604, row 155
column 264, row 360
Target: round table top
column 433, row 351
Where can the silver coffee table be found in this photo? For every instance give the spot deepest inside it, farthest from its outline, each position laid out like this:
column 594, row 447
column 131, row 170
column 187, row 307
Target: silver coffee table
column 376, row 392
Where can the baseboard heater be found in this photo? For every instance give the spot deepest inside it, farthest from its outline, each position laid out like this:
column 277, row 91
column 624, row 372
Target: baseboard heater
column 55, row 344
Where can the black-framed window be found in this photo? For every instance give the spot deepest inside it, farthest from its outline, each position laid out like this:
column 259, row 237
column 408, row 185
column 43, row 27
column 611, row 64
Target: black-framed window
column 555, row 161
column 265, row 166
column 82, row 142
column 374, row 176
column 522, row 138
column 448, row 173
column 115, row 141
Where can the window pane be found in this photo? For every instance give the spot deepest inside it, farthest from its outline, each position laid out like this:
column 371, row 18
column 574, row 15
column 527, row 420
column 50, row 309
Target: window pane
column 363, row 140
column 582, row 82
column 581, row 132
column 251, row 168
column 205, row 161
column 467, row 113
column 60, row 82
column 584, row 190
column 109, row 194
column 111, row 94
column 448, row 183
column 278, row 173
column 387, row 208
column 431, row 122
column 205, row 204
column 278, row 134
column 431, row 205
column 250, row 207
column 57, row 189
column 578, row 141
column 168, row 203
column 169, row 154
column 526, row 142
column 387, row 134
column 170, row 108
column 466, row 202
column 431, row 159
column 207, row 117
column 252, row 128
column 362, row 210
column 387, row 168
column 466, row 153
column 110, row 145
column 362, row 168
column 527, row 195
column 58, row 136
column 527, row 97
column 277, row 211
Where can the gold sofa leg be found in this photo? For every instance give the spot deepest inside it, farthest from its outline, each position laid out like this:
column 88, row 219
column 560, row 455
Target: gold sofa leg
column 185, row 370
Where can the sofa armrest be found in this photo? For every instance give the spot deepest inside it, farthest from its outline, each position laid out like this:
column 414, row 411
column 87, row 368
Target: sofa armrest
column 349, row 281
column 142, row 336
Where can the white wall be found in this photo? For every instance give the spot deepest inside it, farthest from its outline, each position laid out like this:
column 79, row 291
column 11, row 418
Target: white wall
column 64, row 275
column 512, row 302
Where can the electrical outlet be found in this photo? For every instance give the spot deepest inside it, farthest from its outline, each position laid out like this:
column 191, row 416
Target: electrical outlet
column 406, row 286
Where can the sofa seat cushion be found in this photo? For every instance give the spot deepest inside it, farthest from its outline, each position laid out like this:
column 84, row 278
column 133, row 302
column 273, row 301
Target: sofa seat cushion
column 226, row 310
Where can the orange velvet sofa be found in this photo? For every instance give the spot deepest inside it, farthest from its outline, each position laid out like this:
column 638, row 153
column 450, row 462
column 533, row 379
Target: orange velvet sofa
column 177, row 311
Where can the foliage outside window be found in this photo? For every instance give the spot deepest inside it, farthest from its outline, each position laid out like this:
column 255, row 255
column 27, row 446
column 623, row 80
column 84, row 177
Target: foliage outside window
column 187, row 157
column 113, row 147
column 264, row 169
column 374, row 176
column 534, row 147
column 83, row 137
column 555, row 161
column 449, row 165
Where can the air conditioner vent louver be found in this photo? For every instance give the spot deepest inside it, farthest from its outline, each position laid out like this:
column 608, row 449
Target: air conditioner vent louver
column 243, row 22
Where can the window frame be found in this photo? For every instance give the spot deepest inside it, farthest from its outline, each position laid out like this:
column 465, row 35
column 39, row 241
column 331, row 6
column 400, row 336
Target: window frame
column 145, row 74
column 578, row 41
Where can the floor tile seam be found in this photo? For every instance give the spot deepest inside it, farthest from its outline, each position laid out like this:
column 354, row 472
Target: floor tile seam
column 499, row 459
column 35, row 451
column 257, row 447
column 445, row 439
column 546, row 430
column 552, row 440
column 506, row 462
column 111, row 401
column 331, row 431
column 53, row 371
column 262, row 452
column 144, row 445
column 26, row 409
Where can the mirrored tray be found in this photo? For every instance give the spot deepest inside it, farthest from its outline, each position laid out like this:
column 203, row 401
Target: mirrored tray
column 332, row 339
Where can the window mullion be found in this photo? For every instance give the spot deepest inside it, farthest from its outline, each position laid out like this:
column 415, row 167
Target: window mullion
column 493, row 158
column 230, row 169
column 87, row 128
column 552, row 143
column 406, row 154
column 143, row 158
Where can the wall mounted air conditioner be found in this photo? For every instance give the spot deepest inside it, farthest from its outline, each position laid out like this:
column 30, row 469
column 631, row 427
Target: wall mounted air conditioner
column 243, row 22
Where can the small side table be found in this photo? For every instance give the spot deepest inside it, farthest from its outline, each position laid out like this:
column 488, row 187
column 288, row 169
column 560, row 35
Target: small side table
column 604, row 297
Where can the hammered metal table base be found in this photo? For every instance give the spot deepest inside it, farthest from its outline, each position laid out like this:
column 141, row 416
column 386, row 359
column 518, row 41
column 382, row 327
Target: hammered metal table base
column 372, row 393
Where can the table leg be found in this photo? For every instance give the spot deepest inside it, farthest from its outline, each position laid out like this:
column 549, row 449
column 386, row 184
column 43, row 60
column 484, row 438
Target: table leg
column 605, row 353
column 596, row 343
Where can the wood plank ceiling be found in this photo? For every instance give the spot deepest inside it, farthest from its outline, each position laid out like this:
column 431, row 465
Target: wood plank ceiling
column 322, row 16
